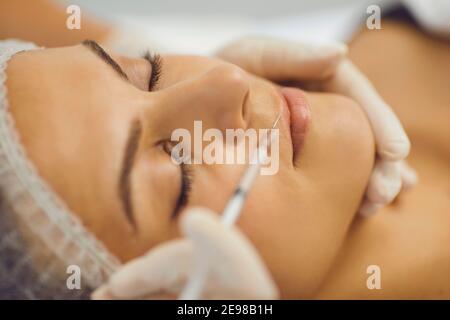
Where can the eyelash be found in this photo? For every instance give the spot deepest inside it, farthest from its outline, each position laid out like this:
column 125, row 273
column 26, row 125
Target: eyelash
column 186, row 183
column 186, row 188
column 156, row 63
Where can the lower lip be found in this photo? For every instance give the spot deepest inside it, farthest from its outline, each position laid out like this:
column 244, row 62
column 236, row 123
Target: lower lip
column 299, row 117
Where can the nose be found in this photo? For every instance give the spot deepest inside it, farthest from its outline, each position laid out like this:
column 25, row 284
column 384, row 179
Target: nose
column 217, row 98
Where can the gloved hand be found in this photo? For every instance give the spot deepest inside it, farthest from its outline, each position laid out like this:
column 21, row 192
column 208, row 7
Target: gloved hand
column 326, row 68
column 235, row 270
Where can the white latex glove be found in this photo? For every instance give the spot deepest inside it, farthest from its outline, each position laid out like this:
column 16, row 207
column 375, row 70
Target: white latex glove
column 235, row 270
column 277, row 59
column 327, row 69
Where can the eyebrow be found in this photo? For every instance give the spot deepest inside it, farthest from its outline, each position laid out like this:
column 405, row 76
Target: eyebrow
column 101, row 53
column 131, row 146
column 129, row 156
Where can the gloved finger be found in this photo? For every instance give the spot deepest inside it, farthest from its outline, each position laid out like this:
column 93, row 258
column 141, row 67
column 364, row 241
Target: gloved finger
column 408, row 175
column 236, row 268
column 384, row 185
column 385, row 182
column 408, row 178
column 103, row 293
column 278, row 59
column 368, row 208
column 391, row 140
column 163, row 269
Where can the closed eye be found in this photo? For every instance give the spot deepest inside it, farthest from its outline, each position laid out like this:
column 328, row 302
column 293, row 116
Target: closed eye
column 186, row 182
column 156, row 64
column 185, row 190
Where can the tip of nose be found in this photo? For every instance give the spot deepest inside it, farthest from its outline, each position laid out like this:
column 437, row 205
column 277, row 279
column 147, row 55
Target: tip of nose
column 233, row 82
column 228, row 87
column 232, row 75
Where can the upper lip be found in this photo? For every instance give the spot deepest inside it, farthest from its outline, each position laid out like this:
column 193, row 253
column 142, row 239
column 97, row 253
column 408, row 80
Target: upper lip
column 285, row 120
column 288, row 106
column 284, row 124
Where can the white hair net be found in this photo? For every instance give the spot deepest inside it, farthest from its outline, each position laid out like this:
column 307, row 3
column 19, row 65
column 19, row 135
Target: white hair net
column 39, row 236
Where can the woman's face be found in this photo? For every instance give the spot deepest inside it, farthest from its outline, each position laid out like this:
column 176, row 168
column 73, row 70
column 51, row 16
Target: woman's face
column 97, row 138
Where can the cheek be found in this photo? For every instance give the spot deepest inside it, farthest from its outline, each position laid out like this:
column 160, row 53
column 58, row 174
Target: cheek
column 213, row 185
column 339, row 151
column 291, row 231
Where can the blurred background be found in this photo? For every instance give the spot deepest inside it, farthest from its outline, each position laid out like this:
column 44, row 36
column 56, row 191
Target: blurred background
column 251, row 8
column 200, row 26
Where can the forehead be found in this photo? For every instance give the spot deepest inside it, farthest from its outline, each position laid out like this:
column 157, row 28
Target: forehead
column 73, row 112
column 69, row 111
